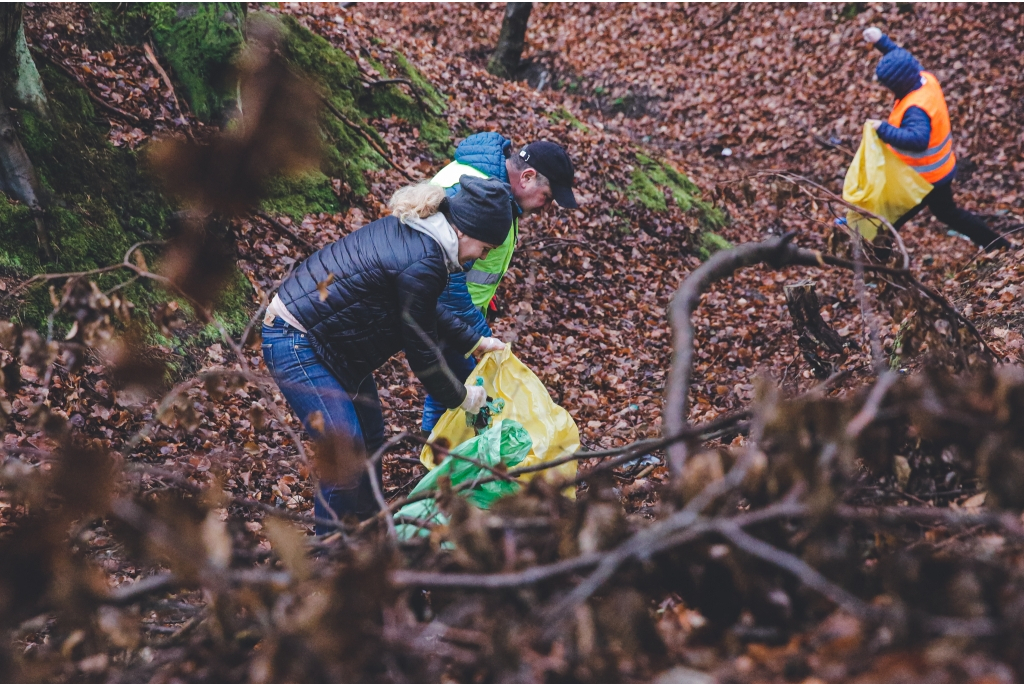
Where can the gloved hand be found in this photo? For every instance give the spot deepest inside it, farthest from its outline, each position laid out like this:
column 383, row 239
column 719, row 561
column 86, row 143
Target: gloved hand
column 476, row 398
column 875, row 123
column 872, row 35
column 489, row 345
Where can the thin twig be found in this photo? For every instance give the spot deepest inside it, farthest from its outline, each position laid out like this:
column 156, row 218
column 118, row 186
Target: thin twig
column 798, row 179
column 369, row 139
column 71, row 73
column 869, row 411
column 284, row 230
column 151, row 58
column 378, row 493
column 412, row 88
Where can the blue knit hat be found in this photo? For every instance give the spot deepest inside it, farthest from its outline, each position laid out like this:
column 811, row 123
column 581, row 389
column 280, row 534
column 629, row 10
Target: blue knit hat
column 899, row 71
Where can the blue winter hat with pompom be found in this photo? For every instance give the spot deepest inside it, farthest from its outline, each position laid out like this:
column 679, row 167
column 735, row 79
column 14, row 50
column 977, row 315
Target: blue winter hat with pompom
column 899, row 71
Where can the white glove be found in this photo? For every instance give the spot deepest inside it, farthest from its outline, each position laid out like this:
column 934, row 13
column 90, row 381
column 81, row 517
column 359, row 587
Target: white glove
column 476, row 398
column 872, row 35
column 489, row 345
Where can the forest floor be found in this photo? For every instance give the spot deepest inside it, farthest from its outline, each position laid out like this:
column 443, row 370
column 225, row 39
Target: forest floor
column 724, row 93
column 782, row 89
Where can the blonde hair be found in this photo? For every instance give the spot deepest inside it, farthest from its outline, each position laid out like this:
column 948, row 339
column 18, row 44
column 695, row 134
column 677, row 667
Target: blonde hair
column 416, row 201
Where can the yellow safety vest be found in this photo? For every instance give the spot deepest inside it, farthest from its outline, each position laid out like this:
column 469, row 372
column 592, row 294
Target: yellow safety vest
column 483, row 278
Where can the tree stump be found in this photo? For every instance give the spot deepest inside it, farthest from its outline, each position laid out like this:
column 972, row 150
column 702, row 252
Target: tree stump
column 814, row 335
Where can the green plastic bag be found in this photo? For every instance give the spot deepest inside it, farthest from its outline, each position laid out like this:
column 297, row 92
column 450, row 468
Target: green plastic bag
column 506, row 442
column 881, row 183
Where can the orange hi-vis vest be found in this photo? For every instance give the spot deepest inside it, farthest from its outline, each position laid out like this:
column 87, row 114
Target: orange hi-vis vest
column 938, row 160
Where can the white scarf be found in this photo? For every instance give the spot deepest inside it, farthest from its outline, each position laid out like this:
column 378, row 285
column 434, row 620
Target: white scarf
column 438, row 228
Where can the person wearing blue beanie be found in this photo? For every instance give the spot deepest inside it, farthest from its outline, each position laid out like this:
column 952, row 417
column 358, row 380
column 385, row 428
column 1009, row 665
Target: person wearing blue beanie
column 355, row 303
column 918, row 131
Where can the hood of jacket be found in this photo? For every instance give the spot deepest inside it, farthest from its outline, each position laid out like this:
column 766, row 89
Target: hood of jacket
column 899, row 71
column 438, row 228
column 486, row 152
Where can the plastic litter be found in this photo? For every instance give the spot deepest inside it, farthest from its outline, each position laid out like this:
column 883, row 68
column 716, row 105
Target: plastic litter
column 485, row 417
column 552, row 431
column 503, row 445
column 881, row 183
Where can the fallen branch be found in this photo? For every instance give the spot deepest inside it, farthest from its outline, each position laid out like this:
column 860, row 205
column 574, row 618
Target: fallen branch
column 369, row 139
column 284, row 230
column 151, row 58
column 72, row 74
column 776, row 252
column 798, row 179
column 412, row 88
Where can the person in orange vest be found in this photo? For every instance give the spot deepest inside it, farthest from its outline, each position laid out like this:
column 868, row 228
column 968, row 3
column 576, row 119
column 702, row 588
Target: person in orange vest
column 918, row 131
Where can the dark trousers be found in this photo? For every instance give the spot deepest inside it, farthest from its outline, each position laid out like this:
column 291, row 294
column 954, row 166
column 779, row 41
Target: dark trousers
column 310, row 387
column 940, row 201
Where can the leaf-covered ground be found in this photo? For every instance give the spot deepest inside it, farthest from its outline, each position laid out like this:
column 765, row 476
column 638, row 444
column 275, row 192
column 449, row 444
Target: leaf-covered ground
column 647, row 99
column 781, row 88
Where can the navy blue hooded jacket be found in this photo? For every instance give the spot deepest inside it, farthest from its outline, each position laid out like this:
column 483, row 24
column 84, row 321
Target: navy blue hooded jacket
column 486, row 152
column 900, row 72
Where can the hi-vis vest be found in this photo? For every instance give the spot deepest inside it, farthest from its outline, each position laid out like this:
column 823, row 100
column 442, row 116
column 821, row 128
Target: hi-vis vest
column 938, row 160
column 482, row 280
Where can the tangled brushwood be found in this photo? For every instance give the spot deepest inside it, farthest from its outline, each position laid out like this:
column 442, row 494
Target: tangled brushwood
column 806, row 519
column 154, row 516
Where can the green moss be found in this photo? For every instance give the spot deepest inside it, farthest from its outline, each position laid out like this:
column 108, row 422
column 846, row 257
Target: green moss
column 348, row 156
column 395, row 99
column 198, row 40
column 298, row 196
column 642, row 189
column 709, row 243
column 17, row 251
column 562, row 114
column 426, row 87
column 100, row 201
column 711, row 217
column 651, row 178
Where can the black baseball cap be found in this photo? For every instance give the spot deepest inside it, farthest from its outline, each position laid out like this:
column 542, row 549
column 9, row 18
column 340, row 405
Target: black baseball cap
column 551, row 160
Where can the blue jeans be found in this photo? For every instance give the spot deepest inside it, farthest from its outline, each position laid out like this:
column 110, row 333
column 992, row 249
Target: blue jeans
column 456, row 298
column 310, row 387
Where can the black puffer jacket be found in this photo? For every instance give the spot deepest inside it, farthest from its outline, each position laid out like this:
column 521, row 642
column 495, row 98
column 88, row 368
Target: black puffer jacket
column 381, row 271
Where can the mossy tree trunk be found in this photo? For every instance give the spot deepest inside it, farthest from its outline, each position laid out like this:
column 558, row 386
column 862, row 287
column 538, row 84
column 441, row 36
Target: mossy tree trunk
column 505, row 60
column 19, row 83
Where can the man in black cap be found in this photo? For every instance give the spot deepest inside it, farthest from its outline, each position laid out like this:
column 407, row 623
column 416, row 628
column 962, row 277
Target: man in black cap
column 538, row 173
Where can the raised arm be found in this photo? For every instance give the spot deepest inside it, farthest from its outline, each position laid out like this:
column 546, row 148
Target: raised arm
column 882, row 42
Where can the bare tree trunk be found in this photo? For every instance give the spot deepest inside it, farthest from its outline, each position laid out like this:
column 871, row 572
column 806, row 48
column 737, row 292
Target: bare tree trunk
column 20, row 81
column 505, row 59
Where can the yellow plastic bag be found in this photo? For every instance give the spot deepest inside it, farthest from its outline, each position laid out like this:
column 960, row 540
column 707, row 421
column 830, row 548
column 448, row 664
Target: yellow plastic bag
column 551, row 428
column 881, row 183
